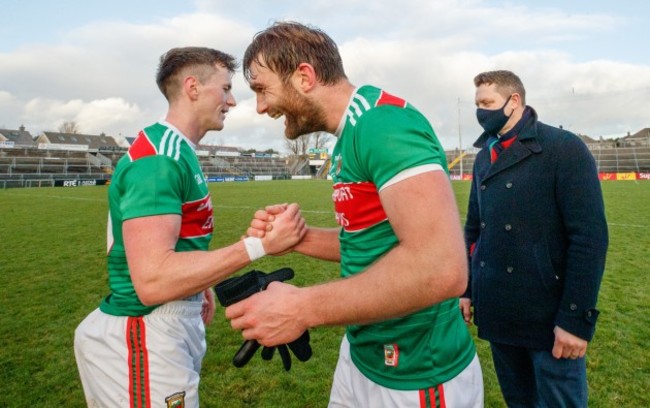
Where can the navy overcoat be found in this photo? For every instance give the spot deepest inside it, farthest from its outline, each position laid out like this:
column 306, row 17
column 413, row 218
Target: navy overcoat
column 536, row 223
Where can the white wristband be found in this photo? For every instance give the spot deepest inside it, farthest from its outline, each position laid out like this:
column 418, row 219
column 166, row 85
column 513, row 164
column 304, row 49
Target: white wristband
column 254, row 248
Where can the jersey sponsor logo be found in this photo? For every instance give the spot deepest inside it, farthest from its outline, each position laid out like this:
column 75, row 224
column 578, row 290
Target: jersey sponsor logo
column 141, row 147
column 357, row 206
column 197, row 219
column 176, row 400
column 387, row 99
column 391, row 355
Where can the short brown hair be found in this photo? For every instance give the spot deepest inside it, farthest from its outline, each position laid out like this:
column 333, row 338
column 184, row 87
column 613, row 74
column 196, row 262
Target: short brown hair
column 285, row 45
column 201, row 60
column 506, row 83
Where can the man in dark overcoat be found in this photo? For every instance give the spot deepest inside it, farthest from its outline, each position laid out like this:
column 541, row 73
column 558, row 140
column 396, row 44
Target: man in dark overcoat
column 536, row 237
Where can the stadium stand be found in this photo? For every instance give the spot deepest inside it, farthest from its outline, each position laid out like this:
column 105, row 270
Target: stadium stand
column 30, row 166
column 460, row 163
column 111, row 154
column 621, row 159
column 225, row 161
column 26, row 161
column 252, row 166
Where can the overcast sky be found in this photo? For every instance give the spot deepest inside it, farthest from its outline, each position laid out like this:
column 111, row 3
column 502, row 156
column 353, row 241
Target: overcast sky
column 585, row 63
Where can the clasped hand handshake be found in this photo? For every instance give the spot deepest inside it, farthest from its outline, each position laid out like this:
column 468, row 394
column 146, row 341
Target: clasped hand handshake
column 280, row 227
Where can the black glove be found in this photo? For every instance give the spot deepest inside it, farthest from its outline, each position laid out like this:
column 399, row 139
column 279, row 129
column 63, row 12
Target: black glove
column 300, row 348
column 239, row 288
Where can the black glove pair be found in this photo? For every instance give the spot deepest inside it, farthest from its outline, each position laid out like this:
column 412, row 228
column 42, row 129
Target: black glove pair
column 238, row 288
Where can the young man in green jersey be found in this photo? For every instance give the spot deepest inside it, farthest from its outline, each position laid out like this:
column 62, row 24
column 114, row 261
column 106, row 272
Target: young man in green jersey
column 145, row 343
column 400, row 244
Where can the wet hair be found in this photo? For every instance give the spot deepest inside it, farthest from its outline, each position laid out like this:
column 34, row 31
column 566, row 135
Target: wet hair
column 199, row 61
column 506, row 83
column 283, row 46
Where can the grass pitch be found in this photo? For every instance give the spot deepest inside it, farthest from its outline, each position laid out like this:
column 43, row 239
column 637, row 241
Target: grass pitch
column 53, row 269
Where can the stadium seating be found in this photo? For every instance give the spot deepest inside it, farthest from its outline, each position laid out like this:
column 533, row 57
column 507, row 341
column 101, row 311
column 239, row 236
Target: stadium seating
column 24, row 166
column 40, row 161
column 252, row 166
column 31, row 166
column 621, row 159
column 460, row 164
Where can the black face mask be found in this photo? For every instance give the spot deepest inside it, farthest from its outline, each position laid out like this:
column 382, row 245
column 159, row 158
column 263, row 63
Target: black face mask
column 492, row 121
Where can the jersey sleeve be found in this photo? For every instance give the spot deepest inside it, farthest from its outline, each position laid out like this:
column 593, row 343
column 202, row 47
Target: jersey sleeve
column 393, row 139
column 151, row 186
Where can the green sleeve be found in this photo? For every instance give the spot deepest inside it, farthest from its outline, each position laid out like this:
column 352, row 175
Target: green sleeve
column 392, row 139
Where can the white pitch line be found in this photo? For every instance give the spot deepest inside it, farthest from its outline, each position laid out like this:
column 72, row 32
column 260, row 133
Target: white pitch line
column 626, row 225
column 104, row 200
column 613, row 224
column 61, row 197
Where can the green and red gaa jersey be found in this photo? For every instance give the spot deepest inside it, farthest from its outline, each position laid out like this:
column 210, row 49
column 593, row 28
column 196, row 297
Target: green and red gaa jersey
column 382, row 140
column 160, row 174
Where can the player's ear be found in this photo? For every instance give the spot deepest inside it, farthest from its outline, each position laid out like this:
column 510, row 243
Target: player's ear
column 191, row 87
column 305, row 77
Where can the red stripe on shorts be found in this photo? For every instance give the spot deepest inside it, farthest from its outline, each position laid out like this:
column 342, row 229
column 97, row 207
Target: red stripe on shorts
column 441, row 396
column 432, row 398
column 138, row 361
column 423, row 399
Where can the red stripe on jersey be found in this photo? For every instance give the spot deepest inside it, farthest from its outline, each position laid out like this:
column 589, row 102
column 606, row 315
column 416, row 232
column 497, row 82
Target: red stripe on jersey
column 357, row 205
column 423, row 399
column 387, row 99
column 141, row 147
column 197, row 220
column 441, row 396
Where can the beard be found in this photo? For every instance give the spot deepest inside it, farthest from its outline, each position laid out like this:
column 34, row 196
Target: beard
column 303, row 116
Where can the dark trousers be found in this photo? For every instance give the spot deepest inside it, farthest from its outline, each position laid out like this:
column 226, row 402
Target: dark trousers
column 535, row 379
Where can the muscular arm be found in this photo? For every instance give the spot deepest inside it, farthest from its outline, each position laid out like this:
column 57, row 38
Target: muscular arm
column 321, row 243
column 426, row 267
column 161, row 274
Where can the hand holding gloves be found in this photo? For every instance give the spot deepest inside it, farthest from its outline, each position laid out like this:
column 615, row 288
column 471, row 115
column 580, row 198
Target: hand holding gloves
column 233, row 290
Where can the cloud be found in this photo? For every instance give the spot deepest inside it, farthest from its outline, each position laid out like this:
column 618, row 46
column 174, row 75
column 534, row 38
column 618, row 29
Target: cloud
column 92, row 117
column 5, row 98
column 101, row 74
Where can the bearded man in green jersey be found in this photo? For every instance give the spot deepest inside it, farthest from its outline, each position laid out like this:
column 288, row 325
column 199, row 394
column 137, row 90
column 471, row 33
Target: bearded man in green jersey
column 400, row 243
column 145, row 343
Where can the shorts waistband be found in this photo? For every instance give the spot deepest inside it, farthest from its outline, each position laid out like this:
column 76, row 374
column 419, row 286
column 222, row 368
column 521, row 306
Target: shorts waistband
column 179, row 308
column 194, row 298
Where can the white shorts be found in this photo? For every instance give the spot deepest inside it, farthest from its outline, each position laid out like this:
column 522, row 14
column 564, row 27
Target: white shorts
column 146, row 361
column 352, row 389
